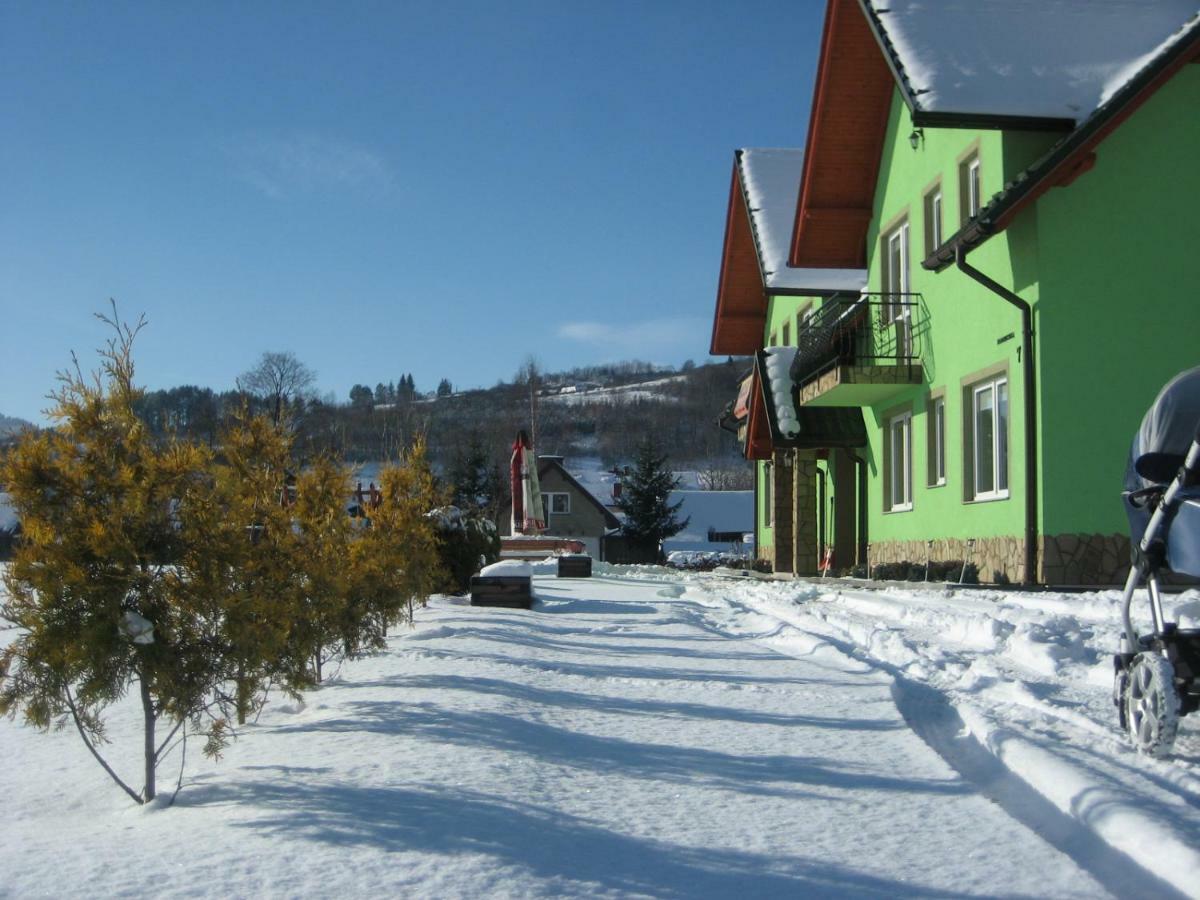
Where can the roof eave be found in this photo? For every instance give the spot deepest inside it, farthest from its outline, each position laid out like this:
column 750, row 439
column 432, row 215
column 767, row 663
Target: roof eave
column 1068, row 158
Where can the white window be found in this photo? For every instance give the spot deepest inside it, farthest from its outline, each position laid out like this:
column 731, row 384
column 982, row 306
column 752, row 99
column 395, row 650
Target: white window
column 897, row 287
column 558, row 504
column 989, row 439
column 898, row 462
column 768, row 498
column 933, row 220
column 935, row 207
column 970, row 190
column 937, row 441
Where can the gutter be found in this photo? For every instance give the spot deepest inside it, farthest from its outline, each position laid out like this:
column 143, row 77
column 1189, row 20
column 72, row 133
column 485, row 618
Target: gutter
column 1030, row 406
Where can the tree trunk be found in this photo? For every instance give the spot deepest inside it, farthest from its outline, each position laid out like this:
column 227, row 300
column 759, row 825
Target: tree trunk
column 243, row 696
column 148, row 718
column 317, row 660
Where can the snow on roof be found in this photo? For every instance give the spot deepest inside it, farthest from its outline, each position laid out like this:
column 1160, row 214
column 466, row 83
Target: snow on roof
column 1058, row 60
column 771, row 179
column 779, row 385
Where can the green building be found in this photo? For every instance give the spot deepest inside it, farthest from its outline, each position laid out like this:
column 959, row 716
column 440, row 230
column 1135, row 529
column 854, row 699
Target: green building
column 1025, row 213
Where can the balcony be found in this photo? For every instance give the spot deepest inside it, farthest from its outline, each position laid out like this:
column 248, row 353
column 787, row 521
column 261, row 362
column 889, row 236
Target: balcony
column 860, row 350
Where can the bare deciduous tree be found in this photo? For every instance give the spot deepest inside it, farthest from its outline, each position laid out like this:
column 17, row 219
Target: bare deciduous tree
column 725, row 475
column 278, row 378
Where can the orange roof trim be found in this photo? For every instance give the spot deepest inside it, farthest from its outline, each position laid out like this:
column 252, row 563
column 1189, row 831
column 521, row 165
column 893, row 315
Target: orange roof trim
column 741, row 299
column 851, row 100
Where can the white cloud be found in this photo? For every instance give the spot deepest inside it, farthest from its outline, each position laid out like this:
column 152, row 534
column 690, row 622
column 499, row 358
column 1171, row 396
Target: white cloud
column 285, row 166
column 648, row 338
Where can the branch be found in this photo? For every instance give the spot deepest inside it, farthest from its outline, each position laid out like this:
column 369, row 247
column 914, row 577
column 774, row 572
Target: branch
column 100, row 759
column 167, row 740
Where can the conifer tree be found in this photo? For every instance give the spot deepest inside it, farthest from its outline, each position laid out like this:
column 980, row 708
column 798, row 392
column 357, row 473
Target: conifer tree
column 329, row 621
column 103, row 584
column 396, row 561
column 650, row 517
column 261, row 600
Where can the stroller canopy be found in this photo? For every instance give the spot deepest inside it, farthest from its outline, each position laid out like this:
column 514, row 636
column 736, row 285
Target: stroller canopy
column 1160, row 445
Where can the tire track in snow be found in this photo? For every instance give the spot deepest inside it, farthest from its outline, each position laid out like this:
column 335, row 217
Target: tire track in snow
column 933, row 717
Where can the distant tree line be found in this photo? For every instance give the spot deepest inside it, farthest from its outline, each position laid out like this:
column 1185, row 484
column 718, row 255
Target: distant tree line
column 376, row 424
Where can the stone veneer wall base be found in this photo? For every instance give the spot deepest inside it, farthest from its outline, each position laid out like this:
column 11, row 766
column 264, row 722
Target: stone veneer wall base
column 1067, row 559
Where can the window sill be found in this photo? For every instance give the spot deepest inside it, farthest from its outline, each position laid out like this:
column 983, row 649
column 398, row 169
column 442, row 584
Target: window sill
column 936, row 484
column 987, row 498
column 898, row 509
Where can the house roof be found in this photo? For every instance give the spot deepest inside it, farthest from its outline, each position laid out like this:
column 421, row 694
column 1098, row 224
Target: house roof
column 1079, row 65
column 545, row 464
column 1074, row 154
column 847, row 124
column 1017, row 59
column 758, row 223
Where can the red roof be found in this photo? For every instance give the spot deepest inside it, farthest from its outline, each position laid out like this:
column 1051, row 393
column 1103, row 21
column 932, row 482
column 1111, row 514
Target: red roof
column 741, row 298
column 758, row 428
column 847, row 125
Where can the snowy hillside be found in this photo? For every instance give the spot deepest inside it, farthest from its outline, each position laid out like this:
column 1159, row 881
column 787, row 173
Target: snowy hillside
column 652, row 734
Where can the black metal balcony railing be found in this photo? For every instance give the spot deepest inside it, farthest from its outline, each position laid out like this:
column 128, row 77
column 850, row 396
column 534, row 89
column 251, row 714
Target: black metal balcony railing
column 860, row 330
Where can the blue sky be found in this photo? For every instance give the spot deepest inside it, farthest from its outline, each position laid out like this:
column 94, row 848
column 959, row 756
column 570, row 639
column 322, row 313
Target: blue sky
column 380, row 188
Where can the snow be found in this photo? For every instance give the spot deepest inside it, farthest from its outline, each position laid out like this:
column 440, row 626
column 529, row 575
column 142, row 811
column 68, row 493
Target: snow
column 779, row 378
column 645, row 733
column 1027, row 57
column 771, row 179
column 507, row 568
column 719, row 510
column 8, row 513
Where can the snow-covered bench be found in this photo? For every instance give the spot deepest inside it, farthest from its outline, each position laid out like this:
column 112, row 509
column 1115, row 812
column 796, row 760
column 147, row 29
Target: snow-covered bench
column 575, row 565
column 506, row 583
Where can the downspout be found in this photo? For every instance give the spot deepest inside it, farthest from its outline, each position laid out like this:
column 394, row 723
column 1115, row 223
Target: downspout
column 861, row 465
column 820, row 518
column 1027, row 371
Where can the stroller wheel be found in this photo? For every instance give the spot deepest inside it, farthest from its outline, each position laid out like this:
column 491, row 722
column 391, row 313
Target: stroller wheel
column 1151, row 707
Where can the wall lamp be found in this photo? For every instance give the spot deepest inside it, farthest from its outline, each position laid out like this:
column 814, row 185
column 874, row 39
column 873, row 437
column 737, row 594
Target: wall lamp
column 916, row 137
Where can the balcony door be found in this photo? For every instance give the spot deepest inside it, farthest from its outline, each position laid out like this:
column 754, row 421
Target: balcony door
column 897, row 287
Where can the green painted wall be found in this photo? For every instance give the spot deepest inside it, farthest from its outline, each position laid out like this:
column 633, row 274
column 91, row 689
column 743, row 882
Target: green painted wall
column 1119, row 270
column 962, row 327
column 781, row 309
column 764, row 533
column 1110, row 267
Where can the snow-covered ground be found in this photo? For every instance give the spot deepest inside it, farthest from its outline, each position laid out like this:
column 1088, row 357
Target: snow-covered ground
column 649, row 733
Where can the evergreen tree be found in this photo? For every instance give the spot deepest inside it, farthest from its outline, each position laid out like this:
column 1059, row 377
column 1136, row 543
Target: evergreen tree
column 262, row 598
column 445, row 388
column 104, row 586
column 395, row 561
column 327, row 626
column 472, row 479
column 650, row 517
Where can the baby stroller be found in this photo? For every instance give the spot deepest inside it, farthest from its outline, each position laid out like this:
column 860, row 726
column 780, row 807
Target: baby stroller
column 1158, row 674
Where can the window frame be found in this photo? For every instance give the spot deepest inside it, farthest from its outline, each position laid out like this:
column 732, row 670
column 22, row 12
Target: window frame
column 996, row 380
column 894, row 466
column 769, row 492
column 970, row 183
column 548, row 500
column 935, row 433
column 787, row 333
column 933, row 209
